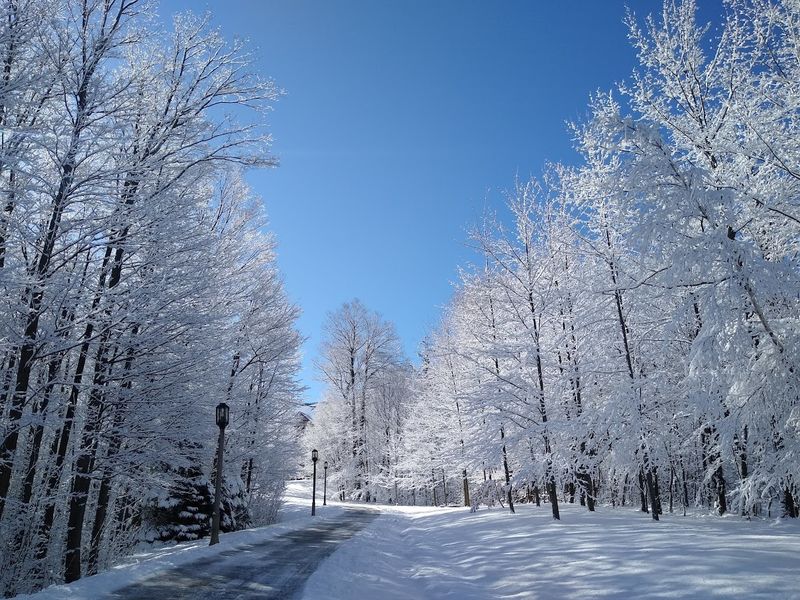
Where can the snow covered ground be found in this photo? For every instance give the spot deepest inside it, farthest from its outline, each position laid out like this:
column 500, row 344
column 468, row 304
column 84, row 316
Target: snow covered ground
column 425, row 553
column 413, row 553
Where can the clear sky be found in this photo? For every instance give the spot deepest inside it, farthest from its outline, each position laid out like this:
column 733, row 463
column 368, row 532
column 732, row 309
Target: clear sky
column 402, row 123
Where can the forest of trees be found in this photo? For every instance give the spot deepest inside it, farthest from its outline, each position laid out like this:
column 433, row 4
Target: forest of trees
column 630, row 332
column 357, row 428
column 138, row 288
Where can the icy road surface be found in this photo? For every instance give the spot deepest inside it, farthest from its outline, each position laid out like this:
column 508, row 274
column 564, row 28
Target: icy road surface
column 276, row 568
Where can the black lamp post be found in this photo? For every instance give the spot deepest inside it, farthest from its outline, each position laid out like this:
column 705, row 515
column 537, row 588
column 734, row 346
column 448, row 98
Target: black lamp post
column 325, row 484
column 223, row 417
column 314, row 458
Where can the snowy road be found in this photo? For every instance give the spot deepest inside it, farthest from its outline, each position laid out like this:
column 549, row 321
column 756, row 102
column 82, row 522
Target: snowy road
column 276, row 568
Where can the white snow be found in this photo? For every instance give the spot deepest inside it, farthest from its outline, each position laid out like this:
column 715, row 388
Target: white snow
column 622, row 553
column 425, row 553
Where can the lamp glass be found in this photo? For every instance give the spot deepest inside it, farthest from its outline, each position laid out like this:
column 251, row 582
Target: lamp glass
column 223, row 414
column 314, row 455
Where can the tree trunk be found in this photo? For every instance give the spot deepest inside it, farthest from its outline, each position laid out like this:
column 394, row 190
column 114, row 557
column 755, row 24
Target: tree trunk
column 551, row 492
column 657, row 492
column 642, row 492
column 587, row 490
column 624, row 489
column 671, row 486
column 507, row 473
column 84, row 466
column 103, row 498
column 790, row 508
column 653, row 493
column 104, row 495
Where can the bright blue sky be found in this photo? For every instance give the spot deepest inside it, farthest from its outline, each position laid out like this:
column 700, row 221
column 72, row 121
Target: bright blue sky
column 402, row 123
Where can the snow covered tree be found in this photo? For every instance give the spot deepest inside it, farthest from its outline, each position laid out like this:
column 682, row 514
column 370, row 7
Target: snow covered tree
column 368, row 381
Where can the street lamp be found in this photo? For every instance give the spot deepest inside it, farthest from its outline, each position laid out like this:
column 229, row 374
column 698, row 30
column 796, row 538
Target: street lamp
column 325, row 484
column 223, row 418
column 314, row 458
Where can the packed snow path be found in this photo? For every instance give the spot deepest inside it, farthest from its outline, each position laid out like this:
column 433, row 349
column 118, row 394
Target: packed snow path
column 276, row 568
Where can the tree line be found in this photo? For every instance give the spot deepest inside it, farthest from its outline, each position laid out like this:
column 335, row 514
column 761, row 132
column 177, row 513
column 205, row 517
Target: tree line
column 629, row 332
column 139, row 287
